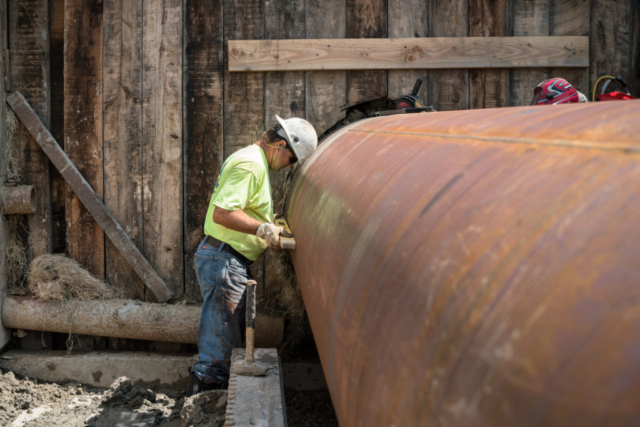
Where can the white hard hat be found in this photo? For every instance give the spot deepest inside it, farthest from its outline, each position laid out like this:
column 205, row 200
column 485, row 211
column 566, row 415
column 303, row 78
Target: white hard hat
column 300, row 135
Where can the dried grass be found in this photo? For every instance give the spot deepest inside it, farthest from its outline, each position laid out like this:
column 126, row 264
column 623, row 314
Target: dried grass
column 60, row 278
column 13, row 171
column 16, row 260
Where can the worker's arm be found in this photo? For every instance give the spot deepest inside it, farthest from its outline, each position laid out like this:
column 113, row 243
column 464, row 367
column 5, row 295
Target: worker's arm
column 236, row 220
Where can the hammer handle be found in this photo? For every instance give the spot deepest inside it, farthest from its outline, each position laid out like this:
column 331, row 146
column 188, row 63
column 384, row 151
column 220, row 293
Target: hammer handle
column 250, row 319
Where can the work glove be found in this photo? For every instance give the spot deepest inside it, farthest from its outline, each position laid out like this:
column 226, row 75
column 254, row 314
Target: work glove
column 270, row 233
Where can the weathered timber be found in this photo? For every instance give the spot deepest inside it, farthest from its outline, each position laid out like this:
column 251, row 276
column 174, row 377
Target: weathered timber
column 429, row 53
column 5, row 334
column 326, row 91
column 449, row 90
column 88, row 197
column 83, row 125
column 571, row 18
column 162, row 139
column 488, row 88
column 408, row 18
column 20, row 200
column 531, row 18
column 203, row 127
column 367, row 19
column 29, row 69
column 284, row 95
column 122, row 22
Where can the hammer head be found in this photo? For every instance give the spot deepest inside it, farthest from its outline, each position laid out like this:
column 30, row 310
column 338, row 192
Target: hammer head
column 250, row 369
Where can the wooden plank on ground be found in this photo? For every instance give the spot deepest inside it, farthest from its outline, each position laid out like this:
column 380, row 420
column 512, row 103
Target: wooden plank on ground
column 488, row 88
column 571, row 18
column 408, row 18
column 529, row 18
column 326, row 91
column 29, row 61
column 438, row 52
column 367, row 20
column 449, row 90
column 123, row 135
column 203, row 127
column 5, row 334
column 87, row 196
column 83, row 125
column 162, row 139
column 284, row 96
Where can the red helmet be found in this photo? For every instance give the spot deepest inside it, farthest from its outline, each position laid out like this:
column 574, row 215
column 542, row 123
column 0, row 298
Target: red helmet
column 554, row 91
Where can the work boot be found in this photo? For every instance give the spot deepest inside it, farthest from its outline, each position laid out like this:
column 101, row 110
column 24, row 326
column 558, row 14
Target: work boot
column 196, row 385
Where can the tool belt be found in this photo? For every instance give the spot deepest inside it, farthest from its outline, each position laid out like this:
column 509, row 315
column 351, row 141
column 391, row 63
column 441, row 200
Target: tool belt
column 225, row 247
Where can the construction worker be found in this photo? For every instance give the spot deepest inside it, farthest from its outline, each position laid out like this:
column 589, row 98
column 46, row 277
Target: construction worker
column 238, row 229
column 556, row 91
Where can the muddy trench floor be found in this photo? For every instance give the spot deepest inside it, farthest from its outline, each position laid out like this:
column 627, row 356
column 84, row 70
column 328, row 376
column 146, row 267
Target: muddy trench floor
column 29, row 403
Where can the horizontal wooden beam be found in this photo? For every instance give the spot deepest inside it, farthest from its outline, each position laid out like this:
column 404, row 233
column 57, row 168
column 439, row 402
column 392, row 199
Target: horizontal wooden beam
column 89, row 198
column 409, row 53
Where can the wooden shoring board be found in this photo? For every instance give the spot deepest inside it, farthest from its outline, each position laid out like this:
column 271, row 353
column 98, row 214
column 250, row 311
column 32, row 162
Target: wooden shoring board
column 88, row 197
column 203, row 127
column 529, row 18
column 122, row 70
column 29, row 69
column 367, row 20
column 408, row 18
column 284, row 95
column 326, row 91
column 413, row 53
column 571, row 18
column 162, row 174
column 488, row 88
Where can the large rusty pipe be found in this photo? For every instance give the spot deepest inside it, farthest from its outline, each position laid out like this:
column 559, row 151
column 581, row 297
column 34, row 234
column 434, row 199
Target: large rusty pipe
column 476, row 268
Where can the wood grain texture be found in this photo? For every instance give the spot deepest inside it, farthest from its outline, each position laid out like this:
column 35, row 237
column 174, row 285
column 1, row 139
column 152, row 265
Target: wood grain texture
column 449, row 90
column 366, row 19
column 83, row 125
column 123, row 135
column 571, row 18
column 326, row 91
column 408, row 18
column 613, row 31
column 285, row 96
column 58, row 186
column 203, row 123
column 488, row 88
column 29, row 60
column 162, row 140
column 528, row 18
column 243, row 93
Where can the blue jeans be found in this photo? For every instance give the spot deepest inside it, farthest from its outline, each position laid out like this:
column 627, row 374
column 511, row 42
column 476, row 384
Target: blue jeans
column 222, row 279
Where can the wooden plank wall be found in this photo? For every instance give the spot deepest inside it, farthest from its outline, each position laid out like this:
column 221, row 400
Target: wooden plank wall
column 139, row 94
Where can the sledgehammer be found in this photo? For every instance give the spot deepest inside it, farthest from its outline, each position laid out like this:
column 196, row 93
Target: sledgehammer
column 250, row 367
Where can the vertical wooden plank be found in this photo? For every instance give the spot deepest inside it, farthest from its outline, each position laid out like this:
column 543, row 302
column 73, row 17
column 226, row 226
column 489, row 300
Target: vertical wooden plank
column 408, row 18
column 56, row 29
column 326, row 91
column 162, row 140
column 29, row 51
column 5, row 334
column 243, row 92
column 367, row 19
column 285, row 96
column 203, row 122
column 449, row 89
column 528, row 18
column 488, row 88
column 612, row 52
column 123, row 134
column 571, row 18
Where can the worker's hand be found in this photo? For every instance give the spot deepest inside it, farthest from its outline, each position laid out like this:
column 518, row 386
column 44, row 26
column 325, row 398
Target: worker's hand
column 270, row 233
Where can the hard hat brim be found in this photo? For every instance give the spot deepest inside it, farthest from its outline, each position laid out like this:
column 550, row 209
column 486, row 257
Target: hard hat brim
column 289, row 138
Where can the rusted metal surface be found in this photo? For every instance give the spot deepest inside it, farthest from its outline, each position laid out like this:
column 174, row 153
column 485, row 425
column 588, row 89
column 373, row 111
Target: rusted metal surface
column 18, row 200
column 89, row 198
column 476, row 268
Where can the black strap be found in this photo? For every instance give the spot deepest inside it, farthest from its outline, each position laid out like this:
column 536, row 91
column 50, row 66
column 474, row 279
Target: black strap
column 225, row 247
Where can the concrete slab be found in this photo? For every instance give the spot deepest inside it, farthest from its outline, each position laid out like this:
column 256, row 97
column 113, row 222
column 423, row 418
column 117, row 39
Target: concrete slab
column 256, row 401
column 100, row 369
